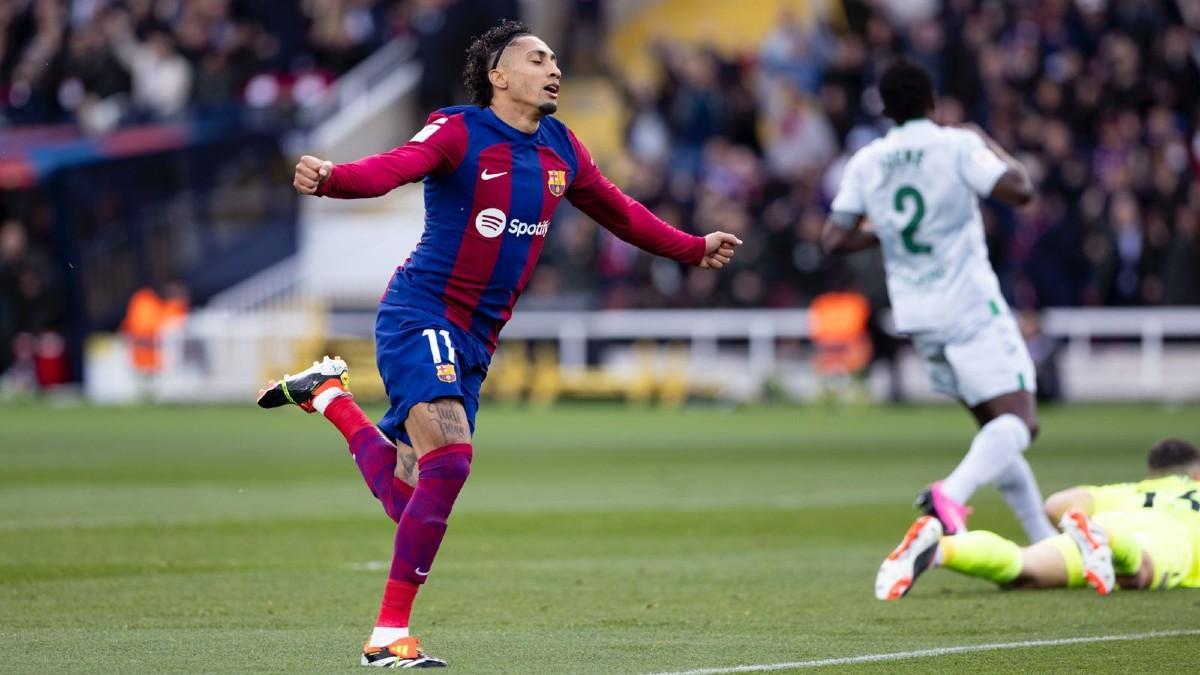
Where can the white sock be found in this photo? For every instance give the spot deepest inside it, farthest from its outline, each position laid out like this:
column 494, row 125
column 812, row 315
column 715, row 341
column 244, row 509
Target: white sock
column 383, row 636
column 996, row 445
column 322, row 400
column 1020, row 490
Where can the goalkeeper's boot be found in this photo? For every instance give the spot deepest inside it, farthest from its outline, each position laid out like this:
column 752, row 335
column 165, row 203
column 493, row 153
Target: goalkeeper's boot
column 403, row 653
column 934, row 502
column 1092, row 541
column 909, row 560
column 300, row 389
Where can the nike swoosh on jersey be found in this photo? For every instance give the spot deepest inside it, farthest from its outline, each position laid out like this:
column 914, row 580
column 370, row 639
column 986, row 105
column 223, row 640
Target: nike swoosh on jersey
column 424, row 574
column 488, row 176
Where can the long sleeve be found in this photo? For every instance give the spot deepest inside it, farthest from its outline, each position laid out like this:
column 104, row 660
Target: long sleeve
column 437, row 148
column 131, row 54
column 625, row 217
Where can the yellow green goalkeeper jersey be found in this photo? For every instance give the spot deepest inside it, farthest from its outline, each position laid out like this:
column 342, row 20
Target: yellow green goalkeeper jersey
column 1174, row 497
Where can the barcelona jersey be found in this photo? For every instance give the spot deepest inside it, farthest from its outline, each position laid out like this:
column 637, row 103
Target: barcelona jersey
column 491, row 191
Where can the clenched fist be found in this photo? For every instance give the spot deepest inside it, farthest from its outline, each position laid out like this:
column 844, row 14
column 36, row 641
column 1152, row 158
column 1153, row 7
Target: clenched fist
column 310, row 173
column 718, row 250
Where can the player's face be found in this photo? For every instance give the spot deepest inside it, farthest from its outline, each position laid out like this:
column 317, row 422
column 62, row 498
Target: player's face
column 531, row 72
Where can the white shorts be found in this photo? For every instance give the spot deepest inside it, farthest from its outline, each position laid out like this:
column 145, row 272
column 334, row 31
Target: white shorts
column 978, row 363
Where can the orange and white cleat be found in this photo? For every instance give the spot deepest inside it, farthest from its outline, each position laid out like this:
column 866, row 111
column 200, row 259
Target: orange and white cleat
column 1092, row 541
column 403, row 653
column 909, row 560
column 300, row 389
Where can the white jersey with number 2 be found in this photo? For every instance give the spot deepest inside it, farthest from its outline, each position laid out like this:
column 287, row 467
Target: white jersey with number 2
column 919, row 187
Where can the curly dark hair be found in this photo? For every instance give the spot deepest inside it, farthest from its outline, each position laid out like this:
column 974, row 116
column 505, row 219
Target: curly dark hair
column 906, row 90
column 1172, row 454
column 482, row 56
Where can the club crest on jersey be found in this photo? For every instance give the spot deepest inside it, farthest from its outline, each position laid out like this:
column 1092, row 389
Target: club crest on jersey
column 556, row 180
column 446, row 373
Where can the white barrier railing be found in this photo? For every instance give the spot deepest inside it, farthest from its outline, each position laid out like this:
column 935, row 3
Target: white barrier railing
column 1110, row 354
column 220, row 355
column 701, row 328
column 1150, row 326
column 216, row 356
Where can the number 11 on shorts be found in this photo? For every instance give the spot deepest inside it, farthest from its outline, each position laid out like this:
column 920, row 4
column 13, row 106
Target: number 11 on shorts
column 431, row 335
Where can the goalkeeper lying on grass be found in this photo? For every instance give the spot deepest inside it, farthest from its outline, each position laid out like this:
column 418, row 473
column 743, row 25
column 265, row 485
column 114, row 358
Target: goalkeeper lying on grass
column 1142, row 535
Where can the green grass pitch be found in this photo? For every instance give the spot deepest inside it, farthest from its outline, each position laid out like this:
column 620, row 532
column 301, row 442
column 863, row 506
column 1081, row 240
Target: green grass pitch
column 589, row 539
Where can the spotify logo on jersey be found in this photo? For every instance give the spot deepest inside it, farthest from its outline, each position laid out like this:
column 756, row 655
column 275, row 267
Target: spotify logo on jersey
column 490, row 222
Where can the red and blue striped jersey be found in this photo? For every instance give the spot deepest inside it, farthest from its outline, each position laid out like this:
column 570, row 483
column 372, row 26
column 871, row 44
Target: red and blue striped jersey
column 490, row 193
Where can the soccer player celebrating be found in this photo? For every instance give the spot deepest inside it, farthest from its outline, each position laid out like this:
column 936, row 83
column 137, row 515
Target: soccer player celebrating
column 1134, row 535
column 917, row 190
column 495, row 172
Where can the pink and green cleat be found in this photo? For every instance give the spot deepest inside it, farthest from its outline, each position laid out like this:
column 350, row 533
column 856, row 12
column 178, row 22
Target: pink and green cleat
column 934, row 502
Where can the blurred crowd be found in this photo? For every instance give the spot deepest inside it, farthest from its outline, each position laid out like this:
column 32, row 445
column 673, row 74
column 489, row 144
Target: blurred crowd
column 103, row 63
column 1100, row 99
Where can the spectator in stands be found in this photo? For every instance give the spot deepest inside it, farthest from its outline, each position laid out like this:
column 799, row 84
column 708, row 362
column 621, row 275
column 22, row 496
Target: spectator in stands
column 162, row 78
column 11, row 252
column 30, row 279
column 55, row 54
column 647, row 137
column 695, row 108
column 31, row 307
column 343, row 32
column 794, row 55
column 800, row 140
column 1181, row 269
column 95, row 85
column 31, row 64
column 1100, row 98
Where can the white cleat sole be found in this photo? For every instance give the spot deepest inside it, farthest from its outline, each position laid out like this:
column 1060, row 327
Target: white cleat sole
column 909, row 560
column 1092, row 541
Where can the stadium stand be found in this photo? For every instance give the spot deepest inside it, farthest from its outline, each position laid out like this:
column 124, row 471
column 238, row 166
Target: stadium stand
column 743, row 117
column 1100, row 98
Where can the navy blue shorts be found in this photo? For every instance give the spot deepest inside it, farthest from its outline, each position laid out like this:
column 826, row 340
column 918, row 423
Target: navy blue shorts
column 423, row 357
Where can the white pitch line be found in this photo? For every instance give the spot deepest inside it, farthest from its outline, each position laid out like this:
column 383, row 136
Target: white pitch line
column 938, row 651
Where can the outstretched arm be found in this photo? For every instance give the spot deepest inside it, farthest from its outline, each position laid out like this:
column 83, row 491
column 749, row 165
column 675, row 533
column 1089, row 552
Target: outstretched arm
column 629, row 220
column 439, row 146
column 846, row 233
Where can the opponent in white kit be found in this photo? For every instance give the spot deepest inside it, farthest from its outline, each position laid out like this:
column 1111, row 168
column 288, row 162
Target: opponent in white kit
column 918, row 188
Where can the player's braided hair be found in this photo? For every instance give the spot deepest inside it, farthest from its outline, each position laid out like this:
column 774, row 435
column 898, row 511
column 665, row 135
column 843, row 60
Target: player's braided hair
column 906, row 90
column 1172, row 453
column 484, row 54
